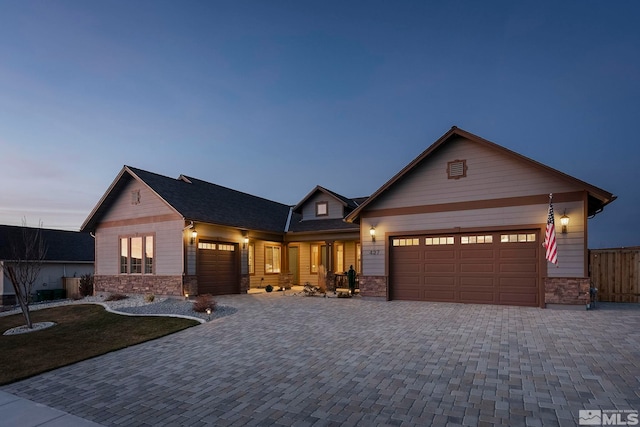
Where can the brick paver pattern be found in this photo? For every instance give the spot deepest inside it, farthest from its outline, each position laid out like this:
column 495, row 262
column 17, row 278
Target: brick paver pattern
column 313, row 361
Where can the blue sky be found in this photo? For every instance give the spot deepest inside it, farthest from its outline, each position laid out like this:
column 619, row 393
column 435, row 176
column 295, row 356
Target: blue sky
column 275, row 97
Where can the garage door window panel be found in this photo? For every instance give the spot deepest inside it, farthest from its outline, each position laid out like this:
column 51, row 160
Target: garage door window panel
column 437, row 241
column 494, row 268
column 217, row 268
column 476, row 239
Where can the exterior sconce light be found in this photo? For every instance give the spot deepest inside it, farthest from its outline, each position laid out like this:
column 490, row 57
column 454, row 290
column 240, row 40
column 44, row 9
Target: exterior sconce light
column 245, row 242
column 372, row 232
column 194, row 236
column 186, row 295
column 564, row 221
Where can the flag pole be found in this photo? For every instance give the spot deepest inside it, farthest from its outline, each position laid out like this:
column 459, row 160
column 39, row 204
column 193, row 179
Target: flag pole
column 551, row 249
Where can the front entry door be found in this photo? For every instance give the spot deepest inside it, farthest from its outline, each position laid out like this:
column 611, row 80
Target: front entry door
column 293, row 265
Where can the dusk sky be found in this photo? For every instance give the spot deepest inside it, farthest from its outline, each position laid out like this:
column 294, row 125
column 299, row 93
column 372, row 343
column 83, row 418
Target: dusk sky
column 275, row 97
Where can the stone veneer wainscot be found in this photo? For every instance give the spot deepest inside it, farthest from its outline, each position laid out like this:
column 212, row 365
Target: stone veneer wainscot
column 139, row 284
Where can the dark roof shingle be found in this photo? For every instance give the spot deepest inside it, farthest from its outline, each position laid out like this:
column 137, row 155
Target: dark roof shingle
column 203, row 201
column 71, row 246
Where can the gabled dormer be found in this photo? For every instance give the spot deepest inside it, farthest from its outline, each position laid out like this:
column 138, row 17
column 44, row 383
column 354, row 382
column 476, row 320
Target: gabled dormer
column 321, row 204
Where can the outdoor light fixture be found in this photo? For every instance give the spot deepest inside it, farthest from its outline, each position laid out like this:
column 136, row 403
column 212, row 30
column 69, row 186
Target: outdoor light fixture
column 194, row 235
column 208, row 313
column 246, row 241
column 564, row 220
column 186, row 295
column 372, row 232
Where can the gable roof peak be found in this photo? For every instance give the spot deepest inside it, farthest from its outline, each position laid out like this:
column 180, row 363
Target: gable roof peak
column 345, row 201
column 599, row 198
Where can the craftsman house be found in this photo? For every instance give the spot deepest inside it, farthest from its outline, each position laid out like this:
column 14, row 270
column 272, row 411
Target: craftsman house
column 463, row 222
column 186, row 236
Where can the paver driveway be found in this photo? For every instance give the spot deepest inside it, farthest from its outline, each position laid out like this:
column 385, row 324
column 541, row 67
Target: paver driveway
column 284, row 360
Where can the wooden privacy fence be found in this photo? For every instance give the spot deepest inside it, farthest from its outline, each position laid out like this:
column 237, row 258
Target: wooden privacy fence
column 616, row 273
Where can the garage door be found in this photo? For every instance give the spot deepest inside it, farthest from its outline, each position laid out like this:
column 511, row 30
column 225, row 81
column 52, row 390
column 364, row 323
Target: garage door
column 217, row 268
column 485, row 268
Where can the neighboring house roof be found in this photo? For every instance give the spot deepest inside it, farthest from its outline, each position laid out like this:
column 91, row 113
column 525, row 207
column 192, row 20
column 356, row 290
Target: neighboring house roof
column 345, row 201
column 201, row 201
column 61, row 246
column 598, row 198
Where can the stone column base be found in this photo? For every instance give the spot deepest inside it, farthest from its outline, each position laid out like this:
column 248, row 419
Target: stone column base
column 373, row 287
column 567, row 290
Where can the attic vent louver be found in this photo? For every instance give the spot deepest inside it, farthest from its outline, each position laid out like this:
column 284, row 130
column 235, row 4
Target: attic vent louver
column 184, row 178
column 457, row 169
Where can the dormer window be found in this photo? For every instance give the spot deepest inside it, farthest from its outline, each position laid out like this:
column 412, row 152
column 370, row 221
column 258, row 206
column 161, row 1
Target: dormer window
column 322, row 209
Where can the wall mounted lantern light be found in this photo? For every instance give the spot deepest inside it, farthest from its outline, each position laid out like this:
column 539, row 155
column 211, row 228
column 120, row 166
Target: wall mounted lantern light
column 245, row 242
column 194, row 236
column 564, row 221
column 372, row 232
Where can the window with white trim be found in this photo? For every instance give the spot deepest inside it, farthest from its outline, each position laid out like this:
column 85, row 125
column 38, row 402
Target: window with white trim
column 322, row 208
column 339, row 257
column 315, row 258
column 272, row 259
column 251, row 255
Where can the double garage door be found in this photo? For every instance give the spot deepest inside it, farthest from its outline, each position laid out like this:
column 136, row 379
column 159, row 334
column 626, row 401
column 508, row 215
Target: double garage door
column 482, row 268
column 217, row 267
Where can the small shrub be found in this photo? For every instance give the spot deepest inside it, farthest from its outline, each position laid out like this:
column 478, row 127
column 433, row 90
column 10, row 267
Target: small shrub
column 149, row 297
column 116, row 297
column 269, row 288
column 202, row 302
column 86, row 285
column 310, row 290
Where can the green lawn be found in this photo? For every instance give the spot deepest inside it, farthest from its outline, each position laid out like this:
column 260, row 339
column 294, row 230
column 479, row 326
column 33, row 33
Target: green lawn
column 81, row 332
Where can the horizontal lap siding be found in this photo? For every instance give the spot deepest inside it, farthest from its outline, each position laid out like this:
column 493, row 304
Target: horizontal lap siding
column 150, row 204
column 490, row 175
column 168, row 246
column 570, row 246
column 125, row 218
column 336, row 209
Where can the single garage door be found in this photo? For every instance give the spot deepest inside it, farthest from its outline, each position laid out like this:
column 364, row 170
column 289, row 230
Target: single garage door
column 484, row 268
column 217, row 268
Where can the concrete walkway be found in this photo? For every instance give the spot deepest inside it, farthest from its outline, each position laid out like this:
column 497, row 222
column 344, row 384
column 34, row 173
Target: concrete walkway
column 16, row 411
column 284, row 360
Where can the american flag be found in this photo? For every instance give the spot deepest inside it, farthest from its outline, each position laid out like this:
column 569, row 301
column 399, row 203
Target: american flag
column 550, row 237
